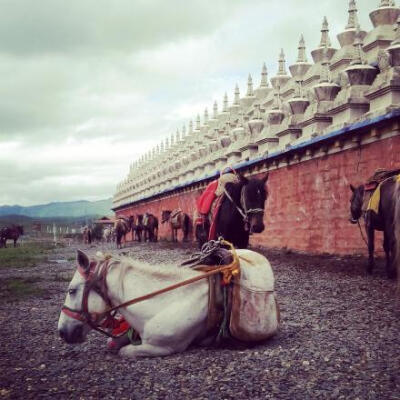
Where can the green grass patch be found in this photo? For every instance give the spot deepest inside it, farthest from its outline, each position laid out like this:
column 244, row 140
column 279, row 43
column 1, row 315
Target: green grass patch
column 14, row 289
column 25, row 255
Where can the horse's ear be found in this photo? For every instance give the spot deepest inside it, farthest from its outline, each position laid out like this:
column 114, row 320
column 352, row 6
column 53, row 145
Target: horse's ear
column 83, row 260
column 353, row 189
column 265, row 177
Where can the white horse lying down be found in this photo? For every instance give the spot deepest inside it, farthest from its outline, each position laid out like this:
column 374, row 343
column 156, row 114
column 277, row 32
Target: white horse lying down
column 169, row 322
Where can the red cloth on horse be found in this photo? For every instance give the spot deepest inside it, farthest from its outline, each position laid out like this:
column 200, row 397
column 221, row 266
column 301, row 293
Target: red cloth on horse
column 212, row 234
column 204, row 202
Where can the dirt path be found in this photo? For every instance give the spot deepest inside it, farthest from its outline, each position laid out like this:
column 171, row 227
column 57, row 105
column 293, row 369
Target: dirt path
column 340, row 338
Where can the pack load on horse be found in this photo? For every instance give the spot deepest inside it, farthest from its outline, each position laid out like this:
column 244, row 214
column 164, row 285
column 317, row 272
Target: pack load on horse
column 108, row 234
column 121, row 227
column 171, row 307
column 150, row 227
column 231, row 207
column 375, row 201
column 177, row 220
column 12, row 232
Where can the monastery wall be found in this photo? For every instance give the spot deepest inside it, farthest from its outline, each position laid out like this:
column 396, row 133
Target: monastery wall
column 327, row 124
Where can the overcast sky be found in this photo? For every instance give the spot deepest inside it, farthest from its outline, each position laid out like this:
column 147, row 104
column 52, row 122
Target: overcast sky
column 86, row 86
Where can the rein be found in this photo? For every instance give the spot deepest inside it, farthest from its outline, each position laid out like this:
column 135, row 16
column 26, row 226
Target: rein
column 94, row 319
column 244, row 211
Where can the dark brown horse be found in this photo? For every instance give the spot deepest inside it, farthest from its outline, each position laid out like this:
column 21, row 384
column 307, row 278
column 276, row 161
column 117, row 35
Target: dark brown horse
column 150, row 227
column 384, row 220
column 177, row 220
column 12, row 232
column 241, row 212
column 137, row 228
column 121, row 227
column 87, row 235
column 396, row 200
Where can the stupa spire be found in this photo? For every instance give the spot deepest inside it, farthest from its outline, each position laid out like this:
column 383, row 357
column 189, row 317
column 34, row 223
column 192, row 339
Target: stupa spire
column 250, row 91
column 325, row 41
column 387, row 3
column 198, row 122
column 264, row 76
column 237, row 96
column 172, row 139
column 215, row 109
column 183, row 131
column 281, row 62
column 353, row 18
column 358, row 51
column 225, row 107
column 190, row 127
column 302, row 57
column 205, row 116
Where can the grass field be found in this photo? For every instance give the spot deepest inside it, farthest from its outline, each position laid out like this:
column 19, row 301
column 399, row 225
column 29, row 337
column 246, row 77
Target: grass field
column 26, row 255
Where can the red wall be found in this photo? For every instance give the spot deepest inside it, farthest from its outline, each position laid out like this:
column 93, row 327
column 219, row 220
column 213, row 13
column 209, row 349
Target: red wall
column 308, row 203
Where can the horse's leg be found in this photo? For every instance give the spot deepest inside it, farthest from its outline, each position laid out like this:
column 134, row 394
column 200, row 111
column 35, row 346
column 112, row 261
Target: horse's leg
column 389, row 246
column 15, row 242
column 145, row 350
column 371, row 243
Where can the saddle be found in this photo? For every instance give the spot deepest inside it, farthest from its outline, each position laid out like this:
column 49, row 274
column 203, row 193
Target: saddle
column 378, row 177
column 372, row 196
column 174, row 216
column 210, row 200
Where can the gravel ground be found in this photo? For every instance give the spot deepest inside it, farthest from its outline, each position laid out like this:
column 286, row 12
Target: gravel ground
column 339, row 339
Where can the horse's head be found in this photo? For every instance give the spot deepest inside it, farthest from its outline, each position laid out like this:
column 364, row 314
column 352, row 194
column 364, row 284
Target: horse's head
column 254, row 195
column 82, row 303
column 165, row 214
column 20, row 229
column 356, row 203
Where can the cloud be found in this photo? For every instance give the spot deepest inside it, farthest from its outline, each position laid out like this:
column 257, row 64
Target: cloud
column 89, row 85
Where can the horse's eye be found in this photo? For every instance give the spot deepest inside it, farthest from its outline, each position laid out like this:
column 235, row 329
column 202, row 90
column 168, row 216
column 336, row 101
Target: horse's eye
column 71, row 292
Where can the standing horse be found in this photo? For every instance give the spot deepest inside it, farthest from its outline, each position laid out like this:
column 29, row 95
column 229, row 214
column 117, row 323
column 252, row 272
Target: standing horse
column 137, row 228
column 396, row 200
column 121, row 228
column 383, row 220
column 241, row 212
column 177, row 220
column 171, row 320
column 87, row 235
column 12, row 232
column 150, row 226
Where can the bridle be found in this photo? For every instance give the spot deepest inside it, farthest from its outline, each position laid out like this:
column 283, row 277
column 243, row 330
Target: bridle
column 95, row 279
column 243, row 210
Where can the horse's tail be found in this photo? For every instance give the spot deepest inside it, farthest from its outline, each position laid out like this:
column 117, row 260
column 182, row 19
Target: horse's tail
column 397, row 230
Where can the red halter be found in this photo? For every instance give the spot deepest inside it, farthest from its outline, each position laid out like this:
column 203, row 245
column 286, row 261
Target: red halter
column 96, row 282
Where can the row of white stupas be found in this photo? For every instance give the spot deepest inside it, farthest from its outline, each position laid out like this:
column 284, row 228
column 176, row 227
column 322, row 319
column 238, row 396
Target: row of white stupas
column 358, row 81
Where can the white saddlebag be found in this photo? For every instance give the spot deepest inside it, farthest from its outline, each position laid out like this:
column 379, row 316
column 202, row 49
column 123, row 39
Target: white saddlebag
column 255, row 312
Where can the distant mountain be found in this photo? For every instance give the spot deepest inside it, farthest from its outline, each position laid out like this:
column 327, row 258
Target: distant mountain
column 74, row 209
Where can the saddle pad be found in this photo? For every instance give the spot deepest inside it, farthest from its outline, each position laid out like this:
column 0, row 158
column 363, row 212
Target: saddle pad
column 375, row 199
column 206, row 199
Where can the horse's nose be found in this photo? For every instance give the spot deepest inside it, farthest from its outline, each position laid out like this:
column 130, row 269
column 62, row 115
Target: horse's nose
column 257, row 228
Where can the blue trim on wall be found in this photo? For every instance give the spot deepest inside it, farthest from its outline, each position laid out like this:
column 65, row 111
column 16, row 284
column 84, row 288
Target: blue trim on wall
column 329, row 136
